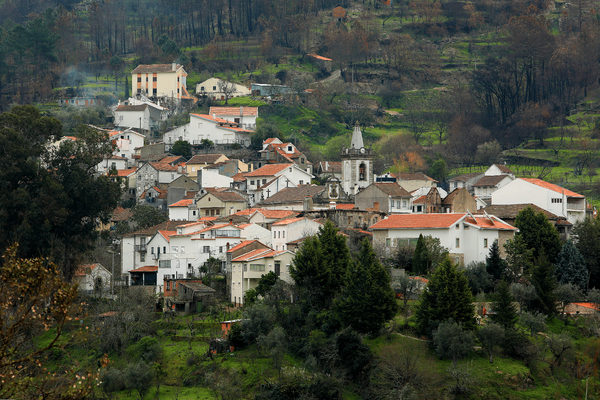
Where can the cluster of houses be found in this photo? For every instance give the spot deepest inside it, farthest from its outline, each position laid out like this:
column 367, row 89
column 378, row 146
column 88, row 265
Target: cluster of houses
column 249, row 212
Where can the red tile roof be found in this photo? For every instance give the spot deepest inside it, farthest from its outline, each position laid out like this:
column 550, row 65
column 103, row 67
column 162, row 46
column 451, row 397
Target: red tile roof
column 147, row 268
column 392, row 189
column 503, row 168
column 417, row 176
column 490, row 181
column 125, row 172
column 553, row 187
column 209, row 118
column 182, row 203
column 240, row 245
column 167, row 234
column 81, row 269
column 160, row 166
column 242, row 110
column 489, row 223
column 239, row 177
column 205, row 158
column 268, row 170
column 418, row 221
column 257, row 254
column 288, row 221
column 344, row 206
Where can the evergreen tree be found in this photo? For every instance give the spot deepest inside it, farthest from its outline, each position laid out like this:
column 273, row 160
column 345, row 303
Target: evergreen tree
column 494, row 264
column 182, row 148
column 538, row 233
column 544, row 281
column 319, row 267
column 366, row 301
column 419, row 261
column 505, row 311
column 587, row 233
column 446, row 296
column 570, row 266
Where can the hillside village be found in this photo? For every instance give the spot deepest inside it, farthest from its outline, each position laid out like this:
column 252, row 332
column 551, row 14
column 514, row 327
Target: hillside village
column 299, row 200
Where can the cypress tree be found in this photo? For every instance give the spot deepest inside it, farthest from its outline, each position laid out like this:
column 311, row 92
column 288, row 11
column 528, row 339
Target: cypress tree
column 505, row 311
column 494, row 264
column 570, row 266
column 446, row 296
column 544, row 281
column 538, row 233
column 419, row 263
column 366, row 301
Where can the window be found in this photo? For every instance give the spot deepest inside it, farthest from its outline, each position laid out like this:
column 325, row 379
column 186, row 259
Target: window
column 182, row 249
column 194, row 213
column 142, row 257
column 278, row 234
column 276, row 247
column 139, row 79
column 202, row 88
column 214, row 88
column 283, row 233
column 301, row 182
column 264, row 181
column 404, row 204
column 220, row 249
column 485, row 242
column 206, row 249
column 154, row 91
column 207, row 213
column 154, row 79
column 218, row 212
column 274, row 234
column 168, row 285
column 151, row 250
column 177, row 79
column 362, row 172
column 164, row 264
column 257, row 267
column 174, row 249
column 388, row 242
column 146, row 79
column 290, row 148
column 165, row 249
column 236, row 120
column 457, row 244
column 556, row 201
column 251, row 182
column 457, row 226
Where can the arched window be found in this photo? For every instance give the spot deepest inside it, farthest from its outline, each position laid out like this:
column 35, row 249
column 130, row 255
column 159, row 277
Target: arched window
column 362, row 172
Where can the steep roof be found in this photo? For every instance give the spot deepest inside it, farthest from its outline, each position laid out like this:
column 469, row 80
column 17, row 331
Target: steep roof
column 241, row 111
column 553, row 187
column 161, row 166
column 503, row 168
column 357, row 139
column 257, row 254
column 416, row 176
column 158, row 68
column 182, row 203
column 489, row 223
column 418, row 221
column 241, row 245
column 487, row 181
column 392, row 189
column 450, row 197
column 268, row 170
column 465, row 177
column 165, row 226
column 294, row 194
column 81, row 269
column 510, row 211
column 205, row 158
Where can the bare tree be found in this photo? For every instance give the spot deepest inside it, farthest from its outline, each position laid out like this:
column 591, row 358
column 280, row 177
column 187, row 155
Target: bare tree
column 227, row 88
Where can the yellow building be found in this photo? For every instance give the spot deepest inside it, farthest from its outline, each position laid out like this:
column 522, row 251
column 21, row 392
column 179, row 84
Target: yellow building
column 160, row 80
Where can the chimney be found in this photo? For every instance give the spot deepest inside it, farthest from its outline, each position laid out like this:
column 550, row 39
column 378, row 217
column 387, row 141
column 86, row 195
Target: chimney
column 199, row 179
column 241, row 111
column 174, row 66
column 179, row 169
column 376, row 206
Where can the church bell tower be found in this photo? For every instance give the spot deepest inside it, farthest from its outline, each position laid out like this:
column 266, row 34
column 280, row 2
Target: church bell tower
column 357, row 164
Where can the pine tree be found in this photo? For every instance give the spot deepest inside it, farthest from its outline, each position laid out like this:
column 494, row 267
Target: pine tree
column 544, row 281
column 366, row 301
column 505, row 311
column 494, row 264
column 419, row 265
column 570, row 266
column 446, row 296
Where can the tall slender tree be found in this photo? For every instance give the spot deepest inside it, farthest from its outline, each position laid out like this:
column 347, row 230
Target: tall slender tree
column 570, row 266
column 544, row 281
column 538, row 234
column 505, row 311
column 494, row 264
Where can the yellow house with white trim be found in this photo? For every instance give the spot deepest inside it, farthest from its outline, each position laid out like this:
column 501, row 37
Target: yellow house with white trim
column 160, row 80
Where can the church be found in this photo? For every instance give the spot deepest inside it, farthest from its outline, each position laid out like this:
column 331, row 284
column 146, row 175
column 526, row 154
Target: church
column 357, row 164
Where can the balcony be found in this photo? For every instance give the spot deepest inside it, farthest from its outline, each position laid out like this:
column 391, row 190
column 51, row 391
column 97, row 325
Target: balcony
column 140, row 247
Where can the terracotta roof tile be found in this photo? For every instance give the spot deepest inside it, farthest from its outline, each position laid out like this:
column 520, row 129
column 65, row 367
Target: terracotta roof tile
column 465, row 177
column 503, row 168
column 81, row 269
column 126, row 172
column 241, row 111
column 182, row 203
column 268, row 170
column 553, row 187
column 126, row 108
column 209, row 118
column 160, row 166
column 167, row 225
column 417, row 221
column 241, row 245
column 147, row 268
column 344, row 206
column 417, row 176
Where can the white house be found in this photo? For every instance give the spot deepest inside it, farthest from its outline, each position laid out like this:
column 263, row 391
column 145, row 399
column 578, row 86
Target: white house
column 145, row 116
column 550, row 197
column 292, row 229
column 111, row 162
column 180, row 211
column 215, row 129
column 247, row 269
column 126, row 142
column 213, row 89
column 244, row 116
column 93, row 278
column 264, row 182
column 468, row 238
